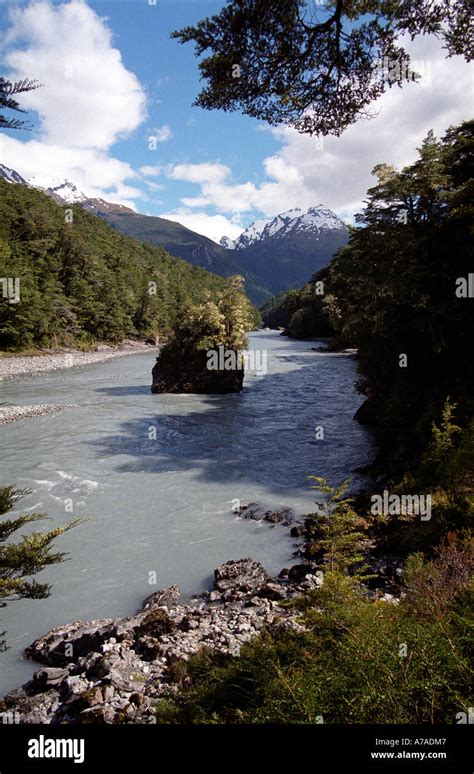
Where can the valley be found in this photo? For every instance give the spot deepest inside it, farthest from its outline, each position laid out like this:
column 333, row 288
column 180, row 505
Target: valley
column 273, row 256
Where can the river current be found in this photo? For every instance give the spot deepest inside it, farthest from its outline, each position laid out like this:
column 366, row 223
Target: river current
column 156, row 477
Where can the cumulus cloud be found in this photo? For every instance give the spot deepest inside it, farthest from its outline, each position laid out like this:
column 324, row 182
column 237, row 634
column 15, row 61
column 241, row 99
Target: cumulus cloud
column 86, row 86
column 69, row 49
column 154, row 186
column 212, row 226
column 148, row 171
column 207, row 173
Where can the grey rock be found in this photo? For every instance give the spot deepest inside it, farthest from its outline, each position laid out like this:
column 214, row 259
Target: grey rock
column 284, row 515
column 164, row 598
column 241, row 574
column 298, row 572
column 272, row 591
column 50, row 677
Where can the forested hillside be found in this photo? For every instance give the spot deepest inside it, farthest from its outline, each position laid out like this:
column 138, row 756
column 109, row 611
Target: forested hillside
column 193, row 248
column 82, row 281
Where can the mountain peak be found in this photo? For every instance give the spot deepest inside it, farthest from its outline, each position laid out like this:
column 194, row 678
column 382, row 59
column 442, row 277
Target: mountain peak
column 227, row 242
column 293, row 221
column 66, row 190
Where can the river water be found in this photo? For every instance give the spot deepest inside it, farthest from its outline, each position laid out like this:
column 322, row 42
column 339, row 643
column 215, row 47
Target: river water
column 156, row 476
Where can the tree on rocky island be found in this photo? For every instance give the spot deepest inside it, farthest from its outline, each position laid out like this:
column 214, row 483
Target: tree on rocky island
column 187, row 363
column 316, row 66
column 20, row 561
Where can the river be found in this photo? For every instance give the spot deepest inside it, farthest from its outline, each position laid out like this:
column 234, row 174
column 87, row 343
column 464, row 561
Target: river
column 156, row 475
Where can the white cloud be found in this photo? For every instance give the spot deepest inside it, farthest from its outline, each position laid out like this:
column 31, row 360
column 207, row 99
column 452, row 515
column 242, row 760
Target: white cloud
column 212, row 226
column 150, row 171
column 93, row 171
column 90, row 100
column 337, row 170
column 206, row 173
column 161, row 134
column 69, row 49
column 154, row 186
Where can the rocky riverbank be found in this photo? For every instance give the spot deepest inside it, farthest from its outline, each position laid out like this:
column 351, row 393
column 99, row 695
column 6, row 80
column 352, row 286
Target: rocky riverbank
column 118, row 670
column 16, row 413
column 33, row 365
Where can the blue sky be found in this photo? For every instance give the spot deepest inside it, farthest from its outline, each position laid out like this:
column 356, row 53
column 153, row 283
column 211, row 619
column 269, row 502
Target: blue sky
column 113, row 78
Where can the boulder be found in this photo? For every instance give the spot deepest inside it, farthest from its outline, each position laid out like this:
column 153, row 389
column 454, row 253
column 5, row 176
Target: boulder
column 65, row 644
column 164, row 598
column 49, row 678
column 240, row 575
column 272, row 591
column 252, row 511
column 284, row 515
column 298, row 572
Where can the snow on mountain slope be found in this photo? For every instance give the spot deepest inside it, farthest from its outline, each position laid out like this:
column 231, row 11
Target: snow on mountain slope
column 227, row 242
column 103, row 208
column 295, row 221
column 66, row 190
column 11, row 176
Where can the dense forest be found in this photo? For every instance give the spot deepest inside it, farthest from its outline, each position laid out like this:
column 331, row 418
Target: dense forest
column 80, row 281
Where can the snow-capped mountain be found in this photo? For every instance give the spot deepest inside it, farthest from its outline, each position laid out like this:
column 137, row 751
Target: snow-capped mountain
column 285, row 252
column 11, row 176
column 289, row 223
column 252, row 234
column 60, row 190
column 64, row 189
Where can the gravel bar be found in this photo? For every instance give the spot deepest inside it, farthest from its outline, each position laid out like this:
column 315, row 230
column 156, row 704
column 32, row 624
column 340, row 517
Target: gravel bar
column 33, row 365
column 16, row 413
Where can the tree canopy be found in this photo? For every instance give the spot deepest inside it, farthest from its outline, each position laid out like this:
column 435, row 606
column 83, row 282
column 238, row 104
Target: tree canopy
column 311, row 66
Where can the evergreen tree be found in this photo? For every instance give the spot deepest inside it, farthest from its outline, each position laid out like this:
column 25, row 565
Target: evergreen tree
column 20, row 561
column 81, row 282
column 392, row 291
column 7, row 91
column 334, row 530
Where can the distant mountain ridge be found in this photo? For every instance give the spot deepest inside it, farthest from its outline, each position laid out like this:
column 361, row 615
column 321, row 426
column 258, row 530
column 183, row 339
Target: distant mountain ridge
column 273, row 255
column 294, row 221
